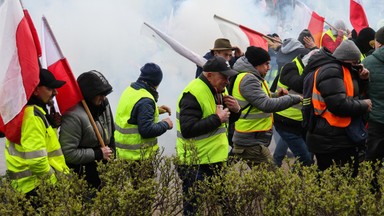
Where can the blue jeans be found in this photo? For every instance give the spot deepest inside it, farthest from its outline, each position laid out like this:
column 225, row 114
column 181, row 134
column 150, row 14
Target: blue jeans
column 296, row 143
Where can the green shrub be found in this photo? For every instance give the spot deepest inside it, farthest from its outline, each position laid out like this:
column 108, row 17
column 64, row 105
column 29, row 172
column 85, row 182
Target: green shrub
column 152, row 187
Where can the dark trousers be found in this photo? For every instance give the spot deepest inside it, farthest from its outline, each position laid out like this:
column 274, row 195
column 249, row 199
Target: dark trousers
column 375, row 143
column 190, row 175
column 340, row 157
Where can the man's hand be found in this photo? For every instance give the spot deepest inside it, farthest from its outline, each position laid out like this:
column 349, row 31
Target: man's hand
column 363, row 73
column 169, row 122
column 164, row 109
column 282, row 92
column 369, row 102
column 238, row 51
column 222, row 113
column 231, row 103
column 107, row 152
column 309, row 42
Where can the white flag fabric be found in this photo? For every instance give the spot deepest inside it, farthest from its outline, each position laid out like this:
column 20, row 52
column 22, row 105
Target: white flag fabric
column 175, row 45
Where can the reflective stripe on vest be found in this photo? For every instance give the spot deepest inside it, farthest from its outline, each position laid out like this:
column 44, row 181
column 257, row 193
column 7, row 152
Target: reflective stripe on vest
column 251, row 119
column 25, row 173
column 211, row 147
column 130, row 145
column 31, row 155
column 293, row 112
column 320, row 107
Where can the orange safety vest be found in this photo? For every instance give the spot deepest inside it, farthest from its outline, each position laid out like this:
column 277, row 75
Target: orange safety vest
column 320, row 108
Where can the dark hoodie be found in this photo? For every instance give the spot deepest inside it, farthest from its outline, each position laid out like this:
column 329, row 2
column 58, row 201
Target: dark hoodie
column 326, row 138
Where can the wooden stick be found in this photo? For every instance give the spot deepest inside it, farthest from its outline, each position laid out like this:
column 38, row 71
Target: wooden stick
column 99, row 138
column 345, row 32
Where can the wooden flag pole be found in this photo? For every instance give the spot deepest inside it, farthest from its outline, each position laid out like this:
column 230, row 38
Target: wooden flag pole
column 97, row 132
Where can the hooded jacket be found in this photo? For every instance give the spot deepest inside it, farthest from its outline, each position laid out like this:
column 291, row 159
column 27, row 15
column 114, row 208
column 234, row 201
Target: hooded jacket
column 330, row 82
column 290, row 49
column 77, row 137
column 251, row 89
column 375, row 64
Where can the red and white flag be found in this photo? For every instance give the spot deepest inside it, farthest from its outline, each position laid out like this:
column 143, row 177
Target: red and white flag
column 240, row 35
column 175, row 45
column 305, row 18
column 357, row 15
column 19, row 66
column 54, row 60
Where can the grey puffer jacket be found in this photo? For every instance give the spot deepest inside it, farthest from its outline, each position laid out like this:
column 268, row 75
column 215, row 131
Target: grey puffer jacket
column 251, row 89
column 78, row 139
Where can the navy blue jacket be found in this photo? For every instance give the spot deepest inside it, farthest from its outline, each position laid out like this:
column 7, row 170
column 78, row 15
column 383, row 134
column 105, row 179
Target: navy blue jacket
column 143, row 114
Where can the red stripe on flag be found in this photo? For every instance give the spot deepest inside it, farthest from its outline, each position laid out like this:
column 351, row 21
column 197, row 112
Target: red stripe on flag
column 69, row 94
column 28, row 58
column 255, row 38
column 315, row 26
column 357, row 16
column 33, row 31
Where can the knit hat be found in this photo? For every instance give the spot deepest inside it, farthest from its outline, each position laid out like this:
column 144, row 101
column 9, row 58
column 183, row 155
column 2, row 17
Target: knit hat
column 379, row 36
column 347, row 50
column 219, row 64
column 151, row 73
column 222, row 44
column 93, row 83
column 257, row 55
column 304, row 33
column 48, row 79
column 365, row 39
column 339, row 24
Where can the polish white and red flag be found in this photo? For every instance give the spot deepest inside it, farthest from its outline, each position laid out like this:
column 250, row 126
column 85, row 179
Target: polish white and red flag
column 54, row 60
column 240, row 35
column 162, row 37
column 306, row 18
column 19, row 66
column 357, row 15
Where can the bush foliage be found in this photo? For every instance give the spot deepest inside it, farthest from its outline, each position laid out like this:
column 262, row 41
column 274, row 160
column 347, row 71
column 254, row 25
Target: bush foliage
column 133, row 189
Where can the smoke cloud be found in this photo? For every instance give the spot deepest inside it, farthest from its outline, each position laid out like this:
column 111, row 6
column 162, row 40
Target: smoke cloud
column 105, row 35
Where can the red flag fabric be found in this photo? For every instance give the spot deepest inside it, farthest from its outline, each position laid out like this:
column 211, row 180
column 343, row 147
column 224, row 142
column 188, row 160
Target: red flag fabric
column 19, row 66
column 357, row 15
column 240, row 35
column 309, row 19
column 69, row 94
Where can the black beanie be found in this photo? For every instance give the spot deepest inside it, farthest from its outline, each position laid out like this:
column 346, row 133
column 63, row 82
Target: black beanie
column 366, row 35
column 379, row 36
column 152, row 74
column 257, row 55
column 304, row 33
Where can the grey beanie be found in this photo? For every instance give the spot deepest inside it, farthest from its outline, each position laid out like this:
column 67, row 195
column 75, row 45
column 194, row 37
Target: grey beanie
column 339, row 24
column 379, row 36
column 347, row 50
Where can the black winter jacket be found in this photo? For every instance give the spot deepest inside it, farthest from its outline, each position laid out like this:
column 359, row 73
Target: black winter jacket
column 326, row 138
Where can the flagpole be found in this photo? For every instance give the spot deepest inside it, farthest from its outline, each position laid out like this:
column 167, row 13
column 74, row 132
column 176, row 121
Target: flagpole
column 233, row 23
column 334, row 27
column 97, row 132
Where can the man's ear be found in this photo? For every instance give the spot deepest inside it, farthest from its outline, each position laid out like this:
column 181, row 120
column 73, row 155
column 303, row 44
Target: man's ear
column 36, row 91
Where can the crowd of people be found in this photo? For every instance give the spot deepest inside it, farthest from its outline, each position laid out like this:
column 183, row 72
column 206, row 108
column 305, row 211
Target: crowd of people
column 323, row 103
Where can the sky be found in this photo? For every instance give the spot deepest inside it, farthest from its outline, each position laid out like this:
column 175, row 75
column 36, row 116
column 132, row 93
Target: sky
column 106, row 36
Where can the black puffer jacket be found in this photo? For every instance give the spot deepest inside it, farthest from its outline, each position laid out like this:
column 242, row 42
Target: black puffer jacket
column 326, row 138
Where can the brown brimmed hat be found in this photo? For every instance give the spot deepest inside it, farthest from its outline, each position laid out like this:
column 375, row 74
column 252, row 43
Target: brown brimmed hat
column 222, row 44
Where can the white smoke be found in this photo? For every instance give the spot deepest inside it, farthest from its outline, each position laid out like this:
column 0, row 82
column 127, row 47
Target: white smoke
column 105, row 35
